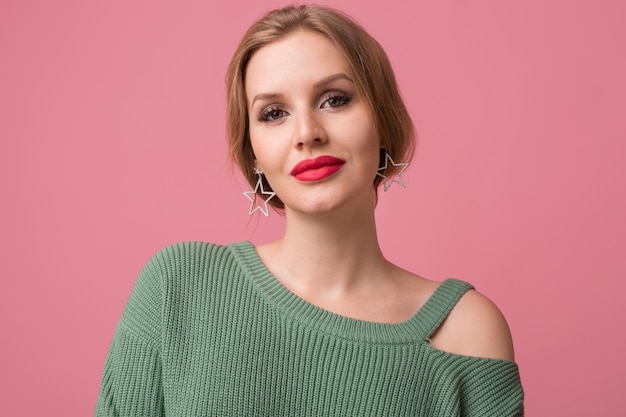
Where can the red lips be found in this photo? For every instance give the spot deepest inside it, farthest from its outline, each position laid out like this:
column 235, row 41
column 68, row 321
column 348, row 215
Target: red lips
column 317, row 169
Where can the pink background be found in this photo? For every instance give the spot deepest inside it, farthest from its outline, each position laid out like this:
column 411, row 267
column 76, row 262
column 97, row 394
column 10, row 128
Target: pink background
column 112, row 146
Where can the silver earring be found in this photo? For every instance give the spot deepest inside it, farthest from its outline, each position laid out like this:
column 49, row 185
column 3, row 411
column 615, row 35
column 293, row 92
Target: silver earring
column 387, row 181
column 253, row 196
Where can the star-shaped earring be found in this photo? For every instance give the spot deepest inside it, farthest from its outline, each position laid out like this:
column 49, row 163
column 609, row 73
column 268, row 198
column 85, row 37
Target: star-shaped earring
column 387, row 181
column 252, row 195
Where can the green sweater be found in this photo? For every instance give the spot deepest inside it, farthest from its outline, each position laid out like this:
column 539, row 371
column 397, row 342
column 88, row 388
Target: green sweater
column 208, row 331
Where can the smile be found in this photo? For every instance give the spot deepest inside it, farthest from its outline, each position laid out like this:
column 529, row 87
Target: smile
column 317, row 169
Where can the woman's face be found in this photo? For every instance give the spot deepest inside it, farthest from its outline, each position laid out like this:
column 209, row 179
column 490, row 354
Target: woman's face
column 313, row 136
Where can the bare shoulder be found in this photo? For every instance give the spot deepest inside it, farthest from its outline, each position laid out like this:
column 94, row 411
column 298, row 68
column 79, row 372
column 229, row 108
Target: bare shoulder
column 475, row 327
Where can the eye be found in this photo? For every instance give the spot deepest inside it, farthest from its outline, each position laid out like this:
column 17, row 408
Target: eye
column 336, row 100
column 271, row 114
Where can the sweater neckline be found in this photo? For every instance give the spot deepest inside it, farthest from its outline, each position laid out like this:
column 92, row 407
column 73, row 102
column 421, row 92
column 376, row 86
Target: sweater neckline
column 415, row 329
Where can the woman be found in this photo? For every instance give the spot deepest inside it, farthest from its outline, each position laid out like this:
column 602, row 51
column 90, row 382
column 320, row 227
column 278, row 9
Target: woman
column 318, row 323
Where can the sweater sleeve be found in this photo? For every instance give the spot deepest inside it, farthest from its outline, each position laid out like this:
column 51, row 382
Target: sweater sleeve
column 131, row 382
column 492, row 388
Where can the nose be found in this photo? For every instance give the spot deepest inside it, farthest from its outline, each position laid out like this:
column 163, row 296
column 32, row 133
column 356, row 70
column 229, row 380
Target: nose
column 309, row 130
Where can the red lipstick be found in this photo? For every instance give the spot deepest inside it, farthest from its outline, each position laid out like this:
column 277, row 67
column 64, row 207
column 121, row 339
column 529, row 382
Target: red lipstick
column 317, row 169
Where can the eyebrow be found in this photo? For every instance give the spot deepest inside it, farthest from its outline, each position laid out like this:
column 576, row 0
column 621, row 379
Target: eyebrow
column 331, row 78
column 322, row 82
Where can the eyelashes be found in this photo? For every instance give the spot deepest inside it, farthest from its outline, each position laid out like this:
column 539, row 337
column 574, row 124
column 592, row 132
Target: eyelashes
column 270, row 114
column 336, row 100
column 330, row 101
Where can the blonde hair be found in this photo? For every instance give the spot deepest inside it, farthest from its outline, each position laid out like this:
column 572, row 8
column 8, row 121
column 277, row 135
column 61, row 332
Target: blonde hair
column 371, row 70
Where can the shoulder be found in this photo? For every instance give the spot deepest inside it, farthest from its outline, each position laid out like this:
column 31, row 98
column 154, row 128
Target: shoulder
column 475, row 327
column 171, row 269
column 182, row 255
column 175, row 262
column 183, row 250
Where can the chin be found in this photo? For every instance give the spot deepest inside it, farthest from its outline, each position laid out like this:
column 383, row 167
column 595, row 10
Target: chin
column 313, row 208
column 329, row 198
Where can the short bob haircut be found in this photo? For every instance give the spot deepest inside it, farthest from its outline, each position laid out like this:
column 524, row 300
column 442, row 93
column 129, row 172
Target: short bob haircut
column 372, row 73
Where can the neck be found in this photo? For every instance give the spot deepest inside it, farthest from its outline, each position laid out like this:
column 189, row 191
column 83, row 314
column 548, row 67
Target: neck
column 330, row 252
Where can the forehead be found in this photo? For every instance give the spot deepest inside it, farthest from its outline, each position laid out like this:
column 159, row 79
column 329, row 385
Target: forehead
column 295, row 61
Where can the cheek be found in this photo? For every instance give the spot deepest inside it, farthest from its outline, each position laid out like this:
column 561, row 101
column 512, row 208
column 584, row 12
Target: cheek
column 265, row 155
column 364, row 128
column 368, row 140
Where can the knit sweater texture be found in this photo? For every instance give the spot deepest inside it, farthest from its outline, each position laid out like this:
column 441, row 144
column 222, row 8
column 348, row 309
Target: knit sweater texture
column 208, row 331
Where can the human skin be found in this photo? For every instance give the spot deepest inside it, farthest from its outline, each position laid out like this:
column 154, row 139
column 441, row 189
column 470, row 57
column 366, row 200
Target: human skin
column 303, row 105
